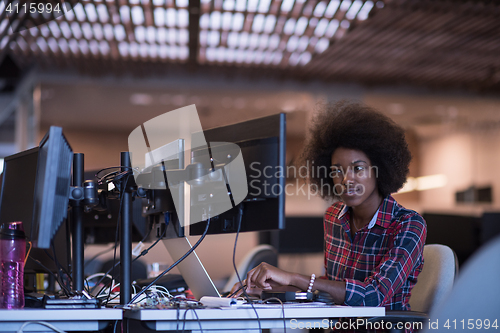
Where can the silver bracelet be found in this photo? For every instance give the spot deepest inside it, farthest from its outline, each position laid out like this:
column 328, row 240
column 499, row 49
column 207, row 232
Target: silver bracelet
column 311, row 283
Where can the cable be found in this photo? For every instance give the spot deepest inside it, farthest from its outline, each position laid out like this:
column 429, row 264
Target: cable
column 52, row 327
column 282, row 309
column 240, row 218
column 173, row 265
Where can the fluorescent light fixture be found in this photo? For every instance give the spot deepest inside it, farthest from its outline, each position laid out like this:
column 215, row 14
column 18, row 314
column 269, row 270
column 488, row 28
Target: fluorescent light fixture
column 161, row 35
column 241, row 5
column 40, row 41
column 294, row 59
column 163, row 51
column 63, row 45
column 230, row 54
column 320, row 8
column 227, row 19
column 259, row 56
column 268, row 57
column 84, row 46
column 123, row 49
column 353, row 11
column 264, row 6
column 213, row 38
column 104, row 47
column 365, row 10
column 258, row 22
column 98, row 33
column 287, row 5
column 345, row 24
column 133, row 49
column 133, row 2
column 159, row 16
column 215, row 20
column 170, row 17
column 120, row 32
column 228, row 5
column 221, row 54
column 152, row 50
column 125, row 14
column 108, row 31
column 332, row 8
column 137, row 15
column 205, row 21
column 305, row 58
column 289, row 26
column 183, row 52
column 232, row 40
column 344, row 6
column 75, row 28
column 301, row 25
column 322, row 45
column 87, row 30
column 292, row 44
column 159, row 3
column 183, row 36
column 203, row 37
column 21, row 43
column 238, row 20
column 263, row 41
column 274, row 41
column 53, row 45
column 277, row 57
column 332, row 28
column 182, row 18
column 91, row 12
column 424, row 183
column 141, row 99
column 172, row 36
column 252, row 6
column 182, row 3
column 139, row 34
column 253, row 41
column 79, row 12
column 303, row 43
column 151, row 34
column 243, row 40
column 270, row 24
column 94, row 47
column 44, row 29
column 321, row 27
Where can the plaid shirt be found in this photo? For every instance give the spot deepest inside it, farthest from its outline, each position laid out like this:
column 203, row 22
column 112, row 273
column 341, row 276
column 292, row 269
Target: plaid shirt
column 381, row 264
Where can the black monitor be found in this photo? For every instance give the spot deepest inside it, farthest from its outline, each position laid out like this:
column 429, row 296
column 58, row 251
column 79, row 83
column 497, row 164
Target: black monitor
column 16, row 204
column 262, row 144
column 52, row 186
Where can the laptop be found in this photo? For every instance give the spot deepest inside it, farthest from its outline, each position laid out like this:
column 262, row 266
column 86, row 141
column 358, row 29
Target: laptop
column 191, row 268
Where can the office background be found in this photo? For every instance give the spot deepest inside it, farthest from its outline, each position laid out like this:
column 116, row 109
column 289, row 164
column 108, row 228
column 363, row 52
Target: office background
column 106, row 67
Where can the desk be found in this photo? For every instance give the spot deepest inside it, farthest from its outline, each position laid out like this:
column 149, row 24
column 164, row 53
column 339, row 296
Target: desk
column 64, row 319
column 244, row 317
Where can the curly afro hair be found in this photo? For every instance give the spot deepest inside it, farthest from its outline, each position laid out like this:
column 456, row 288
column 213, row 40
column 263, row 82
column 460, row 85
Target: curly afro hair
column 356, row 126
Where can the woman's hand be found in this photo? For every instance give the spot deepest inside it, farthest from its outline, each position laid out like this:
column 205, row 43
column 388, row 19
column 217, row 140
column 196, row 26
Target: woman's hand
column 267, row 277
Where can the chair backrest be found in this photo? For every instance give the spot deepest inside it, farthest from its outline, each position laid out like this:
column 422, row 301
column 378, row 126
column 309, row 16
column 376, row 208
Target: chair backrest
column 436, row 279
column 260, row 253
column 475, row 297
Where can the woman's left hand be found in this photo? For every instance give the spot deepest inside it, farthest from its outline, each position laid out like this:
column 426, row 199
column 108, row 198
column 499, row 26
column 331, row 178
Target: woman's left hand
column 267, row 277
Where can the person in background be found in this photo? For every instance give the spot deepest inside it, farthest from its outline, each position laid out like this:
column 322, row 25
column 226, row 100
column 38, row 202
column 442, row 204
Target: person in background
column 373, row 246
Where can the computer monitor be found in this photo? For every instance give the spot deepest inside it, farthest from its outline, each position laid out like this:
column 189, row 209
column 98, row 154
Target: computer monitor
column 262, row 144
column 52, row 186
column 16, row 204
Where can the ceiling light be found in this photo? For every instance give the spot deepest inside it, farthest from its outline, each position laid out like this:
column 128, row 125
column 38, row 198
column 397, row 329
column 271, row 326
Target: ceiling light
column 252, row 6
column 294, row 59
column 84, row 46
column 182, row 3
column 44, row 29
column 301, row 25
column 170, row 17
column 161, row 35
column 163, row 51
column 320, row 8
column 183, row 52
column 322, row 45
column 125, row 14
column 137, row 15
column 108, row 31
column 123, row 49
column 139, row 34
column 253, row 41
column 270, row 24
column 42, row 44
column 277, row 57
column 289, row 26
column 365, row 10
column 344, row 6
column 263, row 40
column 94, row 47
column 264, row 6
column 305, row 58
column 287, row 5
column 213, row 38
column 215, row 20
column 321, row 27
column 292, row 43
column 141, row 99
column 159, row 16
column 87, row 30
column 79, row 12
column 353, row 11
column 228, row 5
column 332, row 8
column 91, row 12
column 133, row 49
column 98, row 31
column 151, row 34
column 75, row 28
column 332, row 28
column 205, row 21
column 63, row 45
column 238, row 20
column 104, row 47
column 243, row 40
column 241, row 5
column 120, row 32
column 274, row 41
column 227, row 19
column 303, row 43
column 182, row 18
column 183, row 36
column 258, row 23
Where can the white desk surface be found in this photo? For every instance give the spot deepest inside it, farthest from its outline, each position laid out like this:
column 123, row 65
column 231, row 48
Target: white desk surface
column 64, row 319
column 245, row 318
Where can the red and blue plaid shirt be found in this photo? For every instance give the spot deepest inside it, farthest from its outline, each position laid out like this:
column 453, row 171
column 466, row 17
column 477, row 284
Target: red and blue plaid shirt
column 381, row 263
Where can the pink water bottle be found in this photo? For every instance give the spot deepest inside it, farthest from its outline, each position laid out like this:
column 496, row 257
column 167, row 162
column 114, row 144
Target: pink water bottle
column 12, row 253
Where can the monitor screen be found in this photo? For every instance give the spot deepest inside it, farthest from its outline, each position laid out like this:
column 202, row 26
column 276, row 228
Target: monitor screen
column 52, row 185
column 16, row 204
column 262, row 144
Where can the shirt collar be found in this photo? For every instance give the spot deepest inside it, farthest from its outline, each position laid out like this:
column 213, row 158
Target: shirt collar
column 384, row 221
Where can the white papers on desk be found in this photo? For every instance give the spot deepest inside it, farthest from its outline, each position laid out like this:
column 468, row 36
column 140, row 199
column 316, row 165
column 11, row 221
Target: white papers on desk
column 217, row 302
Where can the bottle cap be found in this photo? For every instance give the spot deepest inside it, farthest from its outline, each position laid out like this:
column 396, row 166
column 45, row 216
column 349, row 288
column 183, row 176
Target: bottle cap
column 12, row 230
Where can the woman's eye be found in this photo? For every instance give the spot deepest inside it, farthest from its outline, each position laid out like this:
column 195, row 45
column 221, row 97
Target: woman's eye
column 359, row 168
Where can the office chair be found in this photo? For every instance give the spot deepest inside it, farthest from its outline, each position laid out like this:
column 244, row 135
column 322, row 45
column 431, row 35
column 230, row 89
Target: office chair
column 474, row 302
column 434, row 284
column 261, row 253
